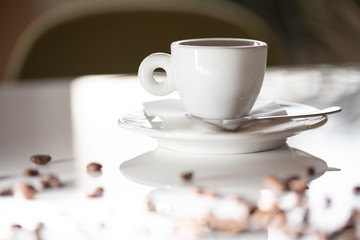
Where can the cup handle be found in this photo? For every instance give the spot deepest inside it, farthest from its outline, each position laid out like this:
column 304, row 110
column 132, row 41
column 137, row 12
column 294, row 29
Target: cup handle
column 146, row 77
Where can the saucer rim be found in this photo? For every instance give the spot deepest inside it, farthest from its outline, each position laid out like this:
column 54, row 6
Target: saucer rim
column 223, row 143
column 173, row 134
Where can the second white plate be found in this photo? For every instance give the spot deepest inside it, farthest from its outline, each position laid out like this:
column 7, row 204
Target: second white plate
column 237, row 173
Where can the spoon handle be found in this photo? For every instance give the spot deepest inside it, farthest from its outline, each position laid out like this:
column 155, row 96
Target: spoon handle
column 321, row 112
column 234, row 124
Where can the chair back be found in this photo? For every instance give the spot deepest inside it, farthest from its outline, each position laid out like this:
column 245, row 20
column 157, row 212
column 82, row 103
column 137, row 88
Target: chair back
column 111, row 37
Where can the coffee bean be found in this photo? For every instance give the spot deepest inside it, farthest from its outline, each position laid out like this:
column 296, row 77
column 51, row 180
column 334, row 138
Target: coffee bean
column 25, row 190
column 101, row 225
column 6, row 192
column 98, row 192
column 345, row 233
column 37, row 230
column 30, row 172
column 187, row 176
column 308, row 172
column 274, row 184
column 260, row 220
column 149, row 206
column 40, row 159
column 204, row 191
column 39, row 226
column 278, row 220
column 356, row 190
column 227, row 225
column 297, row 185
column 15, row 226
column 93, row 167
column 328, row 202
column 50, row 181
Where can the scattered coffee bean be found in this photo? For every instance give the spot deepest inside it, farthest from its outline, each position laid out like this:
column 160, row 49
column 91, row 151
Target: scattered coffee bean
column 40, row 159
column 320, row 235
column 149, row 206
column 192, row 228
column 101, row 225
column 25, row 190
column 98, row 192
column 297, row 185
column 187, row 176
column 50, row 181
column 15, row 226
column 30, row 172
column 37, row 230
column 356, row 190
column 6, row 192
column 278, row 220
column 93, row 167
column 227, row 225
column 259, row 220
column 346, row 233
column 308, row 172
column 328, row 202
column 274, row 184
column 355, row 216
column 39, row 226
column 204, row 191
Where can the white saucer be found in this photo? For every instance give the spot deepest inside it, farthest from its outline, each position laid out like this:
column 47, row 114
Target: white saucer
column 234, row 173
column 181, row 134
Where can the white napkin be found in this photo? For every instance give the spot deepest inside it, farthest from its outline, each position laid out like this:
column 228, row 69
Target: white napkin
column 172, row 113
column 270, row 108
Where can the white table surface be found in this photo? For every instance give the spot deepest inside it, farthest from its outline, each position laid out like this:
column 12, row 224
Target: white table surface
column 76, row 123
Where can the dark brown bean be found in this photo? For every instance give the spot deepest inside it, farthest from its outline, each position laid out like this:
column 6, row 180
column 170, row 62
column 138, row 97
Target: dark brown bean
column 15, row 226
column 328, row 202
column 297, row 185
column 93, row 167
column 227, row 225
column 187, row 176
column 25, row 190
column 6, row 192
column 346, row 233
column 204, row 191
column 260, row 220
column 274, row 184
column 98, row 192
column 278, row 220
column 39, row 226
column 37, row 230
column 30, row 172
column 308, row 172
column 356, row 190
column 50, row 181
column 149, row 205
column 40, row 159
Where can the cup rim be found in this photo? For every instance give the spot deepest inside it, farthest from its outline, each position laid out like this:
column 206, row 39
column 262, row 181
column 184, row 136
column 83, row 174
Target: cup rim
column 183, row 43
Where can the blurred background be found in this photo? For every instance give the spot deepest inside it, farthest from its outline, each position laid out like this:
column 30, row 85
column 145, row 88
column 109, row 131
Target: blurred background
column 65, row 38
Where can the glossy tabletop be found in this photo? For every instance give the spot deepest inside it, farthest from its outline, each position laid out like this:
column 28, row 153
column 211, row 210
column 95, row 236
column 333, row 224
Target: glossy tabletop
column 75, row 121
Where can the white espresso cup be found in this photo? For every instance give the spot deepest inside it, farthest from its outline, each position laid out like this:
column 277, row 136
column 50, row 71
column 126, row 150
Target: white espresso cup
column 216, row 78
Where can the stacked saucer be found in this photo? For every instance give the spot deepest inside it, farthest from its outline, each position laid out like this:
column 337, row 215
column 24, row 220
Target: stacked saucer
column 225, row 160
column 166, row 121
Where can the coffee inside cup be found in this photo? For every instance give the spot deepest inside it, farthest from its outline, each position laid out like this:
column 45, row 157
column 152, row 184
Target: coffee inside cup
column 221, row 43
